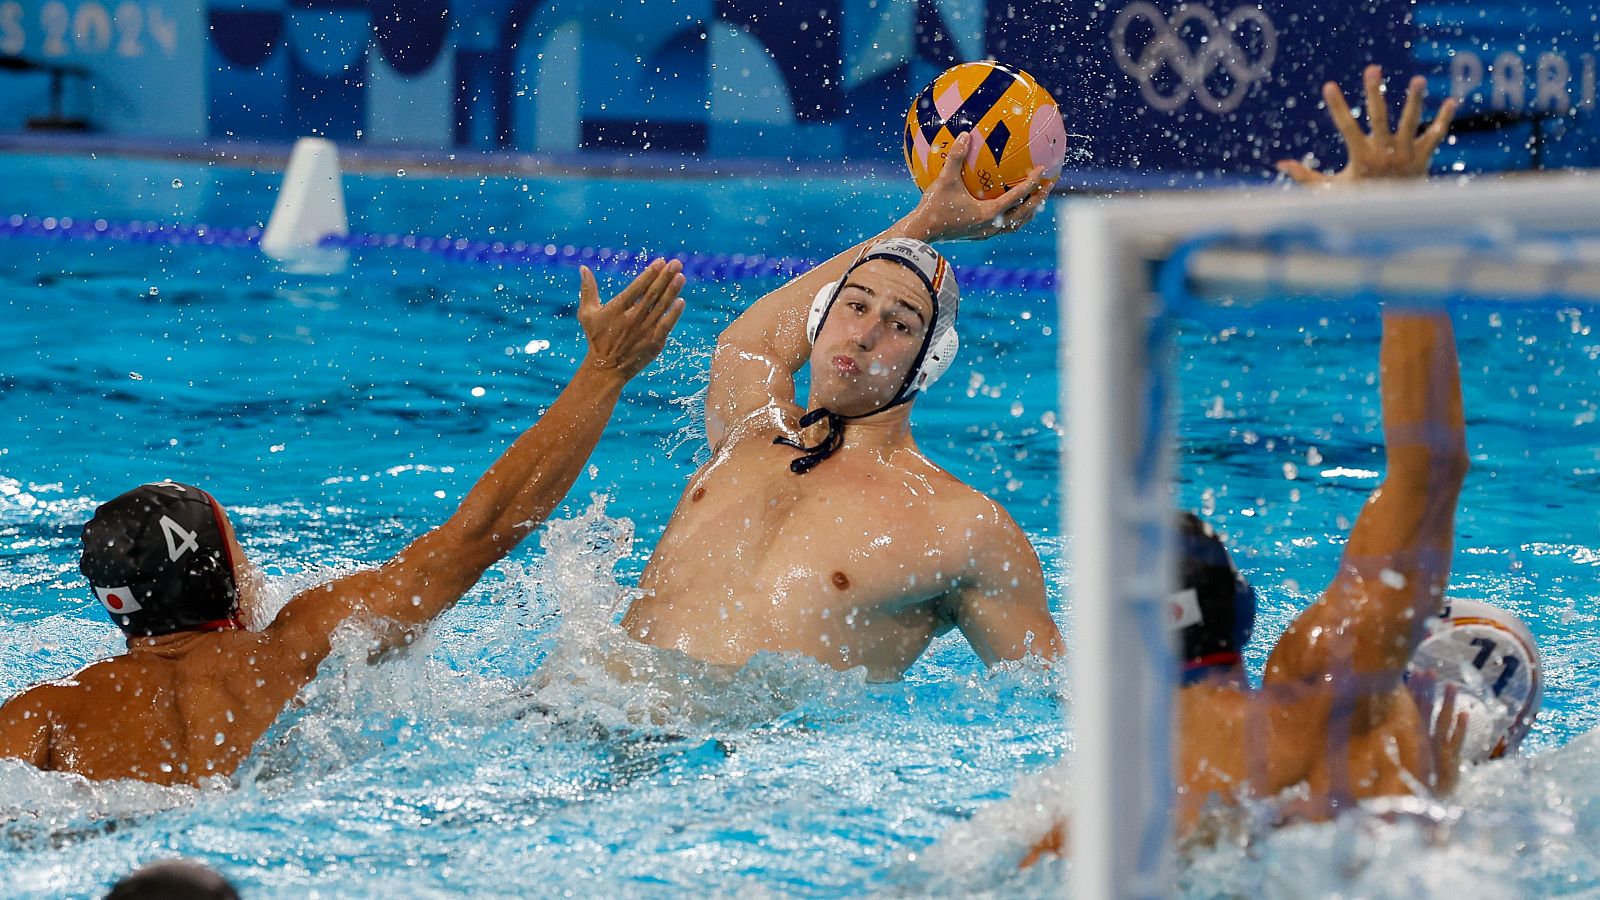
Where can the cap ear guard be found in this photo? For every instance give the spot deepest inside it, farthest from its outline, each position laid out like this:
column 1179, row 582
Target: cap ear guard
column 819, row 308
column 940, row 355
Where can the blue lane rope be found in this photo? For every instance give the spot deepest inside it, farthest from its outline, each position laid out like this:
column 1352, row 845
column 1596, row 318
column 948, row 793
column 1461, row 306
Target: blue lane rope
column 708, row 266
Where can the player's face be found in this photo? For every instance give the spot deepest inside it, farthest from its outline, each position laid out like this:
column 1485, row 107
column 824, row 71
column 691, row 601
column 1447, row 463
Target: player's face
column 870, row 339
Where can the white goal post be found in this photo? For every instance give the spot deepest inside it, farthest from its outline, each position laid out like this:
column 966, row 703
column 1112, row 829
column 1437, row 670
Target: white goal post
column 1117, row 457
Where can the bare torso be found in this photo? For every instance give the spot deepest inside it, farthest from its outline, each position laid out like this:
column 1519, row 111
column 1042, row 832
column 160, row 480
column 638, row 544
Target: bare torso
column 1233, row 744
column 859, row 562
column 188, row 708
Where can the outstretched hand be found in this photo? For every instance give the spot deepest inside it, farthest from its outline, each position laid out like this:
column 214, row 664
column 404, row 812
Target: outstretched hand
column 1401, row 153
column 949, row 212
column 626, row 334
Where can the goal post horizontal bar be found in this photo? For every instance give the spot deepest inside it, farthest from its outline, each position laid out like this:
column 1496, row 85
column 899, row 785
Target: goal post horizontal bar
column 1456, row 271
column 1158, row 222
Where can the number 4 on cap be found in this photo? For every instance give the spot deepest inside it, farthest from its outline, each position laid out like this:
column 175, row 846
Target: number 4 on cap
column 179, row 541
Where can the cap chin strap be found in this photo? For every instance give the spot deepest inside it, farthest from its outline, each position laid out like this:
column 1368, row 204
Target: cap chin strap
column 820, row 451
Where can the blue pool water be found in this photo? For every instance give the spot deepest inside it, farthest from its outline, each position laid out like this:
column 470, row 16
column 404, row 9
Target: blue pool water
column 339, row 416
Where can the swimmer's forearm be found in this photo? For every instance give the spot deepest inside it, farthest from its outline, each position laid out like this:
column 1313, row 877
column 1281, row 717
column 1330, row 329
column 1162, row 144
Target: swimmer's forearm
column 916, row 224
column 1420, row 383
column 1395, row 567
column 527, row 482
column 512, row 498
column 773, row 329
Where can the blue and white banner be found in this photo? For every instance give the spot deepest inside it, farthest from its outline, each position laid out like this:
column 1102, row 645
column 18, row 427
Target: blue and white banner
column 1150, row 85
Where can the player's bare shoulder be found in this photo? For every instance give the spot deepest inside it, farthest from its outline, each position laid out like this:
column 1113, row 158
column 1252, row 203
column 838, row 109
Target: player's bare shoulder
column 969, row 516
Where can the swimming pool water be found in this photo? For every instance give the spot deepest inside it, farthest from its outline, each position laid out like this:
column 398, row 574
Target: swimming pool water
column 338, row 416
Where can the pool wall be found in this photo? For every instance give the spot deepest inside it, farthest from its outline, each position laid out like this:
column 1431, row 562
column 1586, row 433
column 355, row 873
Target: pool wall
column 826, row 81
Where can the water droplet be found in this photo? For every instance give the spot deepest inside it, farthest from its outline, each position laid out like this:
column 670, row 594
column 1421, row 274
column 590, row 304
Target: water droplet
column 177, row 183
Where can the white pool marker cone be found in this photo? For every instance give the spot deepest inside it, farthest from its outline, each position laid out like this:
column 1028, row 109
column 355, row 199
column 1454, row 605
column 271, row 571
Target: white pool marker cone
column 310, row 203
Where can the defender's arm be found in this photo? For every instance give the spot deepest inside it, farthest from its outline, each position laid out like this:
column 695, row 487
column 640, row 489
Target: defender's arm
column 1000, row 606
column 758, row 355
column 1395, row 567
column 516, row 494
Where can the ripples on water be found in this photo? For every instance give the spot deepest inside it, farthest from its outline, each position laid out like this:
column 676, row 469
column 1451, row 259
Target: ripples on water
column 504, row 756
column 336, row 418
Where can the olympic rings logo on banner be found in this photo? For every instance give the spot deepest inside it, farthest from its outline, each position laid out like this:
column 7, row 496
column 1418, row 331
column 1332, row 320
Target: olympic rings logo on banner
column 1218, row 52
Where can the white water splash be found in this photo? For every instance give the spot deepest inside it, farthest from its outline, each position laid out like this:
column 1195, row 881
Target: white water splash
column 597, row 671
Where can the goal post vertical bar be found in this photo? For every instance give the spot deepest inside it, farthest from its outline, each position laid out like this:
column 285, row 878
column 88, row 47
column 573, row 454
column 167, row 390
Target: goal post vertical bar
column 1118, row 500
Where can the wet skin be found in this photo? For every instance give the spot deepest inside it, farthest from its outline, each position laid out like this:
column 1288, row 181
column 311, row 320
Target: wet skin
column 180, row 708
column 173, row 709
column 867, row 557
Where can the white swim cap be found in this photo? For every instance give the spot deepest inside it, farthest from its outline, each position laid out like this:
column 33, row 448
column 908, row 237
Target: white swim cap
column 1490, row 656
column 939, row 345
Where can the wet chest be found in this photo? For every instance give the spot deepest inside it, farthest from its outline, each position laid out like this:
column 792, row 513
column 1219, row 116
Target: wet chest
column 852, row 529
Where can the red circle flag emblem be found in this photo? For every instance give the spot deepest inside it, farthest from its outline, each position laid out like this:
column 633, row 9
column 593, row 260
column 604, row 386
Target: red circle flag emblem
column 118, row 599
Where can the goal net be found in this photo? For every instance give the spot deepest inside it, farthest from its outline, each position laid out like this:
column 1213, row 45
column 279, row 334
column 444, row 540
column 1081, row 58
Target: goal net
column 1132, row 268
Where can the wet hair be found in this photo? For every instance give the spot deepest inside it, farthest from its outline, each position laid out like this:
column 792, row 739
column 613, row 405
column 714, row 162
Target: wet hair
column 159, row 562
column 1215, row 607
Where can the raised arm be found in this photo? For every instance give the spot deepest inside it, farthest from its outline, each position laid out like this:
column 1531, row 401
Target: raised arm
column 1397, row 560
column 516, row 494
column 1395, row 566
column 758, row 355
column 1379, row 153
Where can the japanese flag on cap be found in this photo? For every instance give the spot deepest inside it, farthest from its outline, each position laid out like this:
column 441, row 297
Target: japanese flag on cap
column 119, row 600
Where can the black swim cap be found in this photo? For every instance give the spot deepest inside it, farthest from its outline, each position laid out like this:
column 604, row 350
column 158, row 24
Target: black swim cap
column 173, row 879
column 1215, row 608
column 157, row 560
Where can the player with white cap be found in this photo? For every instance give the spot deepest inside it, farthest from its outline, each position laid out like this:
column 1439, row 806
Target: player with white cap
column 846, row 544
